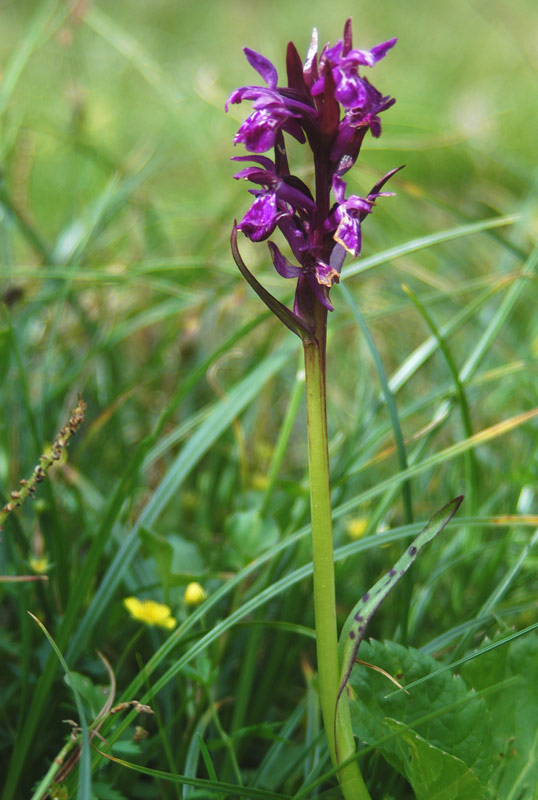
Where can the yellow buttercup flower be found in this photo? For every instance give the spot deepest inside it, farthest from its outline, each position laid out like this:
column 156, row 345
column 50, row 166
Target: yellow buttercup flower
column 39, row 564
column 194, row 594
column 150, row 612
column 357, row 527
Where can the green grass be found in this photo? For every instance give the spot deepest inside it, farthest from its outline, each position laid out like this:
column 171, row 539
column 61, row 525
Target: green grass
column 116, row 205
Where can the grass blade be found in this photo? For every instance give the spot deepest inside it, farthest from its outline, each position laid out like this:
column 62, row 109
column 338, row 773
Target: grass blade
column 428, row 241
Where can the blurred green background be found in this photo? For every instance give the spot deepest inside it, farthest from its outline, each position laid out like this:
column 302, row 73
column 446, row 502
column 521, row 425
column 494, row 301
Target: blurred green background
column 136, row 84
column 115, row 148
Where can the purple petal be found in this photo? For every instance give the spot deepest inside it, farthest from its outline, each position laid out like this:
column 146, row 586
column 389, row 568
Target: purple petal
column 348, row 234
column 260, row 95
column 360, row 204
column 292, row 127
column 295, row 197
column 258, row 132
column 282, row 265
column 265, row 162
column 318, row 86
column 261, row 218
column 338, row 256
column 294, row 235
column 375, row 127
column 235, row 97
column 367, row 58
column 362, row 58
column 339, row 188
column 333, row 55
column 256, row 175
column 321, row 292
column 350, row 89
column 380, row 50
column 325, row 274
column 263, row 66
column 379, row 185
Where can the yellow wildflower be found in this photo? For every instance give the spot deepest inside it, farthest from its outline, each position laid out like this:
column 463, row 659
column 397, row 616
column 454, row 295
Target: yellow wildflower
column 39, row 564
column 259, row 481
column 150, row 612
column 357, row 527
column 194, row 594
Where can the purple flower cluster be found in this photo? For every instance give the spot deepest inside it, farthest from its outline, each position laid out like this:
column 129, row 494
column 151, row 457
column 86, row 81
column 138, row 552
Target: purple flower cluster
column 328, row 104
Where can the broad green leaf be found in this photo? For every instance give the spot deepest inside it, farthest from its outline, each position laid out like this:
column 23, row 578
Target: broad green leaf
column 249, row 534
column 177, row 559
column 103, row 791
column 433, row 773
column 514, row 715
column 355, row 626
column 442, row 711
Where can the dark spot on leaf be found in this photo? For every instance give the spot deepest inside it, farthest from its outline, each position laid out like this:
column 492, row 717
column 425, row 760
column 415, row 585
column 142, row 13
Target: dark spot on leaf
column 392, row 573
column 358, row 617
column 412, row 550
column 365, row 597
column 352, row 634
column 361, row 628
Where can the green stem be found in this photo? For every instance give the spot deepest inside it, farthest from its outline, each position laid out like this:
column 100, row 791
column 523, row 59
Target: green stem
column 338, row 731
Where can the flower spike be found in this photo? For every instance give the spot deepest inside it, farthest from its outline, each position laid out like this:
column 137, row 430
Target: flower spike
column 330, row 105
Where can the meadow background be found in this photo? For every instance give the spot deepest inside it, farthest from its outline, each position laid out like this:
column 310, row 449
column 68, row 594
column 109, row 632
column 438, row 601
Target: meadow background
column 116, row 205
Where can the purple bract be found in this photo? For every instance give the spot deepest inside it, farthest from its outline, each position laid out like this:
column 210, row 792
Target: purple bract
column 328, row 104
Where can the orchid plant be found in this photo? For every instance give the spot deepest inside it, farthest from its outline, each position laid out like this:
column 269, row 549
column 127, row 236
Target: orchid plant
column 329, row 106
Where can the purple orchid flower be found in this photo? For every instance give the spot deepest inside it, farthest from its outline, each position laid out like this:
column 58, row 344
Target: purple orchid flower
column 272, row 110
column 351, row 212
column 351, row 90
column 328, row 104
column 314, row 274
column 276, row 200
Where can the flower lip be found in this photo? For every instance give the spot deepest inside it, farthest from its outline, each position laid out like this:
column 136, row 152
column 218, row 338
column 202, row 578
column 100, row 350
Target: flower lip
column 260, row 220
